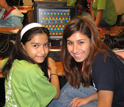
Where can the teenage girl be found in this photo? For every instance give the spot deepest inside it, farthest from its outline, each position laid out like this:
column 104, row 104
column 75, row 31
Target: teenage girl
column 30, row 76
column 86, row 58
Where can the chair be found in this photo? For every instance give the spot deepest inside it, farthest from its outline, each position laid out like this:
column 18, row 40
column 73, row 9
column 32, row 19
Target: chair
column 30, row 16
column 119, row 20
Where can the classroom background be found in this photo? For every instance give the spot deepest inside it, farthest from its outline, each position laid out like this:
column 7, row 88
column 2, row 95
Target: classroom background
column 118, row 4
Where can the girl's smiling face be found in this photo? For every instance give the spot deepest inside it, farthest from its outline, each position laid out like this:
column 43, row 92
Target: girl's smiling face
column 78, row 45
column 38, row 47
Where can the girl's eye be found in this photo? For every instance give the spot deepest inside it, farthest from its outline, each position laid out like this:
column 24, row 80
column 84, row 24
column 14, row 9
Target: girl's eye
column 80, row 42
column 47, row 44
column 35, row 45
column 69, row 43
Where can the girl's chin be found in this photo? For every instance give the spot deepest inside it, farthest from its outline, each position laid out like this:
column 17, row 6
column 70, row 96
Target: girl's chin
column 39, row 61
column 79, row 60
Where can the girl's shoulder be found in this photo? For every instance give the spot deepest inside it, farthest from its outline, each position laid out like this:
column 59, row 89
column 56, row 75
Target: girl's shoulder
column 108, row 53
column 27, row 68
column 25, row 64
column 16, row 12
column 104, row 57
column 110, row 58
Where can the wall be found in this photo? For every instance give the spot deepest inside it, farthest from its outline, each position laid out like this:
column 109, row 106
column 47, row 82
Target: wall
column 119, row 5
column 27, row 2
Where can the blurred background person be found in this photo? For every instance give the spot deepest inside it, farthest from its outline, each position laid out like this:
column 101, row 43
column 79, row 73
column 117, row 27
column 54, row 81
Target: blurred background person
column 82, row 7
column 103, row 12
column 10, row 15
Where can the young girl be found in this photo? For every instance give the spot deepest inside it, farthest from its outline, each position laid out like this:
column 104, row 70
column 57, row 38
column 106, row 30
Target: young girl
column 86, row 58
column 28, row 70
column 10, row 15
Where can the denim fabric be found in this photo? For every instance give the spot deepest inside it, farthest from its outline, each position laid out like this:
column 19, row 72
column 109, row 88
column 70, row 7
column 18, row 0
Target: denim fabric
column 68, row 93
column 104, row 24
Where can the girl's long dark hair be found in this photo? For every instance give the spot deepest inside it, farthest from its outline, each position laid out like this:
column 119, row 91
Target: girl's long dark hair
column 75, row 72
column 19, row 53
column 12, row 2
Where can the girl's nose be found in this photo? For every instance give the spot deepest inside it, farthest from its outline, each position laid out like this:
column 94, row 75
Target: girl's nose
column 41, row 50
column 75, row 48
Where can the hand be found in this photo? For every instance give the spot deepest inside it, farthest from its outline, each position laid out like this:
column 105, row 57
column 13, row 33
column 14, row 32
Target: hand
column 98, row 28
column 77, row 102
column 52, row 65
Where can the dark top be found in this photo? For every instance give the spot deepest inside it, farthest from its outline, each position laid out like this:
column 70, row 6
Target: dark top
column 109, row 75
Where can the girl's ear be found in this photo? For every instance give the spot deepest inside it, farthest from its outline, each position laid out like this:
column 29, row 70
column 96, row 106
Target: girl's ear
column 23, row 45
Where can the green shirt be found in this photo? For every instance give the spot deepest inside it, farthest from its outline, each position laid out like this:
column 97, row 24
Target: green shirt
column 70, row 2
column 27, row 86
column 109, row 11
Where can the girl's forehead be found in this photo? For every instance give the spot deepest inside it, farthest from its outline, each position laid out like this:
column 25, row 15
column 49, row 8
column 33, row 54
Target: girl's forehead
column 39, row 34
column 40, row 37
column 77, row 35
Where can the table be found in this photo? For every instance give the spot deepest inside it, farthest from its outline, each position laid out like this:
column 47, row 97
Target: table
column 24, row 9
column 9, row 28
column 114, row 30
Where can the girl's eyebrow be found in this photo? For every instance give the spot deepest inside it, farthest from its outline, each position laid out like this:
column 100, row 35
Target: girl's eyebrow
column 81, row 39
column 38, row 43
column 77, row 40
column 34, row 43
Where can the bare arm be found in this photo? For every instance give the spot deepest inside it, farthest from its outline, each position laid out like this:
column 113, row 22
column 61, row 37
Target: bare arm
column 77, row 102
column 105, row 98
column 98, row 17
column 54, row 78
column 92, row 14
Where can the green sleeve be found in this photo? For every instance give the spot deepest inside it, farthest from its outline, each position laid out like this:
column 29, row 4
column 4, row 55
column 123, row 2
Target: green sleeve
column 3, row 62
column 42, row 89
column 101, row 5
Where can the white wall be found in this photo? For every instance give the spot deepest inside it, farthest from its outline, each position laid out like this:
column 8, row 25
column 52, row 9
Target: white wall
column 119, row 5
column 27, row 2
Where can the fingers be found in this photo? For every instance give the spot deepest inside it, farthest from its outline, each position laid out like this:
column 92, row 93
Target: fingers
column 99, row 29
column 51, row 62
column 52, row 66
column 74, row 102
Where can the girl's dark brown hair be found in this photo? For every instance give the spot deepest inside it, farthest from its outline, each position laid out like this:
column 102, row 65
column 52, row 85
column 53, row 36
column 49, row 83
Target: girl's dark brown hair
column 19, row 53
column 83, row 3
column 12, row 2
column 74, row 71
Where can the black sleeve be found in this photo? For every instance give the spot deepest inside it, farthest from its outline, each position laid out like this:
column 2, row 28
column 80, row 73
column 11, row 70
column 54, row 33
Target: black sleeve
column 104, row 73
